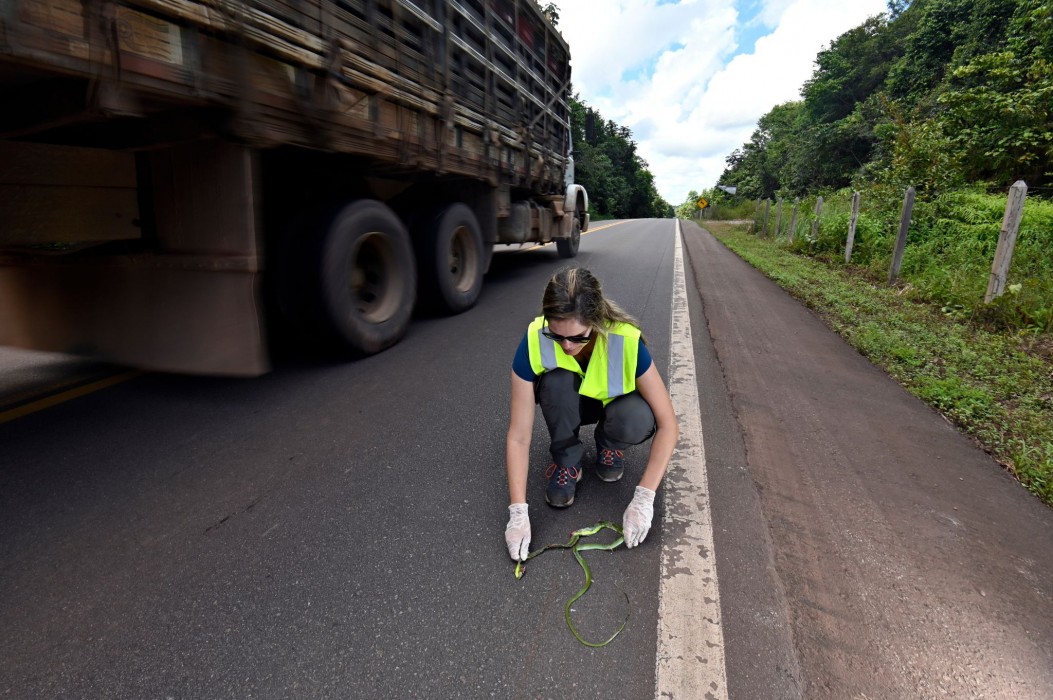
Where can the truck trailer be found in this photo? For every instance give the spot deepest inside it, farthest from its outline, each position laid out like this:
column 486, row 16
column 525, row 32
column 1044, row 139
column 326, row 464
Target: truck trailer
column 182, row 182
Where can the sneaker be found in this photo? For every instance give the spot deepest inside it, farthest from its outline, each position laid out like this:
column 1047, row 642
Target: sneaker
column 609, row 463
column 562, row 482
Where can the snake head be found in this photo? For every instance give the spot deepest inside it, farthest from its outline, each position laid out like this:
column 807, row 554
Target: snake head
column 520, row 570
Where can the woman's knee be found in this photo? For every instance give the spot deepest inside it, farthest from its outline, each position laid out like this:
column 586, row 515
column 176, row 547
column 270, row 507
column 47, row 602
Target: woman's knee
column 629, row 419
column 557, row 386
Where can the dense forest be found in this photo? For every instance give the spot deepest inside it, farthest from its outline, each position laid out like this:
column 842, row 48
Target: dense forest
column 951, row 97
column 606, row 163
column 935, row 93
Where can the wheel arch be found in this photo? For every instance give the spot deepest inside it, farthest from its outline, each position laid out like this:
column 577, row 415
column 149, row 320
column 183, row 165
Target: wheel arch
column 577, row 199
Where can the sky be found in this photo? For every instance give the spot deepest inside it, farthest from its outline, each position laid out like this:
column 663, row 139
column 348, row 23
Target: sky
column 691, row 78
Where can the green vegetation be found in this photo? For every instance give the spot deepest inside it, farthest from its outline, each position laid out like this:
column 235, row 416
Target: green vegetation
column 605, row 161
column 722, row 207
column 996, row 385
column 950, row 249
column 936, row 95
column 952, row 97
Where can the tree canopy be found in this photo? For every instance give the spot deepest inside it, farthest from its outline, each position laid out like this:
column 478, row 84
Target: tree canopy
column 933, row 93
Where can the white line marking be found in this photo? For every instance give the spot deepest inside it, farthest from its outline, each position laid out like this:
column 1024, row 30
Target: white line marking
column 689, row 661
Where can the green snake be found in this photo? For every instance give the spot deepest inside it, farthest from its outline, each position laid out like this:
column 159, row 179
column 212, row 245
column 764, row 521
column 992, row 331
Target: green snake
column 577, row 549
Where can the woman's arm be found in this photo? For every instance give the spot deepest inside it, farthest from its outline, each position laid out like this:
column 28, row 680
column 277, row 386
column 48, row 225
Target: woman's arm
column 517, row 444
column 653, row 391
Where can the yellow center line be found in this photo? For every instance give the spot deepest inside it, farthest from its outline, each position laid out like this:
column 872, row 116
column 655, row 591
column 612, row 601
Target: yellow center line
column 64, row 396
column 591, row 229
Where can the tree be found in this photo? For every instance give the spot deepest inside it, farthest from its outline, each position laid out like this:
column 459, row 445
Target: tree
column 837, row 129
column 850, row 71
column 551, row 13
column 760, row 167
column 936, row 93
column 999, row 110
column 945, row 34
column 896, row 7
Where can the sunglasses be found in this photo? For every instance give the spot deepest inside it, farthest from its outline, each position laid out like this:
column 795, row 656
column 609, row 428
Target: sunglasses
column 579, row 339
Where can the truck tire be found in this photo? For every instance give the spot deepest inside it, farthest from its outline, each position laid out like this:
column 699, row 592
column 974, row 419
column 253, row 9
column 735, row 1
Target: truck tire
column 450, row 259
column 367, row 281
column 568, row 247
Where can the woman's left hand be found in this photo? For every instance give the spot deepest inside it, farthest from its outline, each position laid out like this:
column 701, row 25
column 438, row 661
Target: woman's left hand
column 637, row 519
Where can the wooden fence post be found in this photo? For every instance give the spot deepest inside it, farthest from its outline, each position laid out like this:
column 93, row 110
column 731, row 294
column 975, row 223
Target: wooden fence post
column 767, row 212
column 778, row 219
column 793, row 218
column 901, row 239
column 1014, row 211
column 852, row 228
column 818, row 211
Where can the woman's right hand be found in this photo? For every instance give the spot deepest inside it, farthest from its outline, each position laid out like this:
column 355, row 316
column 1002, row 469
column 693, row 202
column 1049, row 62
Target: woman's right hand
column 517, row 532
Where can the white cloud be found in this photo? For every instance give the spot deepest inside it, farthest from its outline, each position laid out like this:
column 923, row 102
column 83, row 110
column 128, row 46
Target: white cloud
column 670, row 71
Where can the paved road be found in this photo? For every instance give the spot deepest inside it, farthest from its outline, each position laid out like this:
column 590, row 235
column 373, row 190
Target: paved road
column 324, row 531
column 334, row 531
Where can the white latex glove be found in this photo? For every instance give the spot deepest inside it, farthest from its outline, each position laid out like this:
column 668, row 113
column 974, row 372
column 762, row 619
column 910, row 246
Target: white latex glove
column 637, row 519
column 517, row 532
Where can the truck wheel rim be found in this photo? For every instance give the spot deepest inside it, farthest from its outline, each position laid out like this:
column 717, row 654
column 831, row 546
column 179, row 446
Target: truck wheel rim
column 372, row 283
column 460, row 261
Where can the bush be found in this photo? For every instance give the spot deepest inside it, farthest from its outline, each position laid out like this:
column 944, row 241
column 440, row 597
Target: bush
column 736, row 209
column 949, row 258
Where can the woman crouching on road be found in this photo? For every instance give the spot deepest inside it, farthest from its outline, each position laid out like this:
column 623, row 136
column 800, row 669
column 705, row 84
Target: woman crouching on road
column 585, row 361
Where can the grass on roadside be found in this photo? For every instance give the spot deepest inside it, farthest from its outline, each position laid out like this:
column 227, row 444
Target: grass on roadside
column 981, row 380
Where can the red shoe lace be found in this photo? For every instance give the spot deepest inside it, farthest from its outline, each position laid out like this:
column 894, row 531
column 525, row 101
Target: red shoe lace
column 564, row 473
column 607, row 456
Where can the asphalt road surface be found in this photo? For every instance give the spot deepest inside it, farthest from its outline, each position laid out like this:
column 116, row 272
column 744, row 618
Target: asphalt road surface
column 335, row 530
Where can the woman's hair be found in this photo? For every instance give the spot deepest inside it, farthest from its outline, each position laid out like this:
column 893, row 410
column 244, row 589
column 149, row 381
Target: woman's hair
column 574, row 292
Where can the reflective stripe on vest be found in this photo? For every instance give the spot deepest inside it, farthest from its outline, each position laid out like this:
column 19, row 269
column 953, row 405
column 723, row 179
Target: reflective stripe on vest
column 615, row 363
column 548, row 351
column 611, row 370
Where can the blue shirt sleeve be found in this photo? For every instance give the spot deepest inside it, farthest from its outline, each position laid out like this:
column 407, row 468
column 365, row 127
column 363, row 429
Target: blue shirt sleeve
column 643, row 359
column 521, row 362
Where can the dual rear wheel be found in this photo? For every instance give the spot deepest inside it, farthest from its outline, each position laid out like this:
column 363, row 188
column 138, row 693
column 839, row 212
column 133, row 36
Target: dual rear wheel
column 450, row 256
column 367, row 282
column 364, row 268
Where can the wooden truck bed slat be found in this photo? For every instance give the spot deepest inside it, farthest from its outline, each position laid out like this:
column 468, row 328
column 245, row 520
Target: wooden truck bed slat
column 469, row 86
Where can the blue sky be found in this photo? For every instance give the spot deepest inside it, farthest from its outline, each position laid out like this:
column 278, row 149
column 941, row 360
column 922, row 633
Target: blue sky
column 692, row 77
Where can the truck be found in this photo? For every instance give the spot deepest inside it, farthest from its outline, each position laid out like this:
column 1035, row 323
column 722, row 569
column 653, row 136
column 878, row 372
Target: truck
column 186, row 183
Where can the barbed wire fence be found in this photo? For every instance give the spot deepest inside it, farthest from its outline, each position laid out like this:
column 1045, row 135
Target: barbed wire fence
column 1000, row 265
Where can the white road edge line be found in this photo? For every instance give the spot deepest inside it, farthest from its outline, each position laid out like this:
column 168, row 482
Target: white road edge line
column 689, row 661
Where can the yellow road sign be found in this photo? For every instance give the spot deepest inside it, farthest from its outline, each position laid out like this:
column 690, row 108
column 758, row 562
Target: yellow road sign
column 702, row 203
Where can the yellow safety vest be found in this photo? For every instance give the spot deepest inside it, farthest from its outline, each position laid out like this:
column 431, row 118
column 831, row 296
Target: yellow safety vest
column 612, row 368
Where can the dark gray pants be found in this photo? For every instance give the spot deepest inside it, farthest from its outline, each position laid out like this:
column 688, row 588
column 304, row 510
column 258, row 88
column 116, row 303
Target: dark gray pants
column 625, row 421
